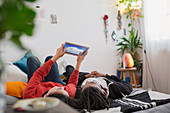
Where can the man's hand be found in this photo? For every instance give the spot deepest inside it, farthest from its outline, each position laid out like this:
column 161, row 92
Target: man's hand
column 80, row 58
column 97, row 74
column 59, row 53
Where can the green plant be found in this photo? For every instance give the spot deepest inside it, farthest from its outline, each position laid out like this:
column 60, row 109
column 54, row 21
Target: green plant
column 131, row 45
column 17, row 18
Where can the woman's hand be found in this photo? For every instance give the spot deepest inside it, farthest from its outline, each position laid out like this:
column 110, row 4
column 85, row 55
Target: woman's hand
column 80, row 58
column 59, row 53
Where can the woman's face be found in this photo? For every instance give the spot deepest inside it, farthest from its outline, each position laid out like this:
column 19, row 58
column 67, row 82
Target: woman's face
column 57, row 89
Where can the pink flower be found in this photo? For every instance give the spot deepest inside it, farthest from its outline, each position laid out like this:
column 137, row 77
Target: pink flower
column 138, row 15
column 137, row 11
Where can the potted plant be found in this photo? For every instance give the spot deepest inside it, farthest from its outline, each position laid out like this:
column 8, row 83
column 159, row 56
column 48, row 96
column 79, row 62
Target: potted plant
column 17, row 19
column 131, row 45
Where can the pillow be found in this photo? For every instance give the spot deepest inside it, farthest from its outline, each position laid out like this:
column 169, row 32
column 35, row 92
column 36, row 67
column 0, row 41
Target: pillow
column 15, row 88
column 22, row 63
column 13, row 73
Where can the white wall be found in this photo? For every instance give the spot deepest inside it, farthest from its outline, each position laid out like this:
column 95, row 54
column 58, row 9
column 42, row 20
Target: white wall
column 81, row 22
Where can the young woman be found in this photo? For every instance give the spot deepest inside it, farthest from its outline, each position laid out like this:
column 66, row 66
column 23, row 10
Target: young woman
column 45, row 80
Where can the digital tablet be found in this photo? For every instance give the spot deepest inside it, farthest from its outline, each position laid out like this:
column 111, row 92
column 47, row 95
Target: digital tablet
column 75, row 49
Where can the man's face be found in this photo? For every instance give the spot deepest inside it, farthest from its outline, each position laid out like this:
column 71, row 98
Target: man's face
column 91, row 84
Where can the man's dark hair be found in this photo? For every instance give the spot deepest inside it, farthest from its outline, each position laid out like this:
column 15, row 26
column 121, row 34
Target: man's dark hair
column 93, row 99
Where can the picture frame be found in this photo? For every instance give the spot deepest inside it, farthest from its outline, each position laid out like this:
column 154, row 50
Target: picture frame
column 75, row 49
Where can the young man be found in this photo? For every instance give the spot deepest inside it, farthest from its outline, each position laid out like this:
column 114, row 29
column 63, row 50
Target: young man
column 45, row 80
column 95, row 89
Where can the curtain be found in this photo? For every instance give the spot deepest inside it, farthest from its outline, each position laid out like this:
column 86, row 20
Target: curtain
column 156, row 67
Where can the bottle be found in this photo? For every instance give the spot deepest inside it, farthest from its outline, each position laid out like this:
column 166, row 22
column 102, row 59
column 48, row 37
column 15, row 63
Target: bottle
column 124, row 65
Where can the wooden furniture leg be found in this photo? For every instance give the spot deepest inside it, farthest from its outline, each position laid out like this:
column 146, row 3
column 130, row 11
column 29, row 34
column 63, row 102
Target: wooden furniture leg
column 134, row 79
column 131, row 80
column 124, row 75
column 121, row 76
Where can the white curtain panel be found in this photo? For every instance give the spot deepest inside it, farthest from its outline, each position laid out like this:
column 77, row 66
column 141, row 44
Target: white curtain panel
column 156, row 68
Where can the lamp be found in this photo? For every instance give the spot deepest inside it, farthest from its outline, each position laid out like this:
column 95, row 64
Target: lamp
column 129, row 62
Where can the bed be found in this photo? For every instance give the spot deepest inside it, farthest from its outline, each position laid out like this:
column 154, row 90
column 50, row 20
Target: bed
column 163, row 108
column 161, row 103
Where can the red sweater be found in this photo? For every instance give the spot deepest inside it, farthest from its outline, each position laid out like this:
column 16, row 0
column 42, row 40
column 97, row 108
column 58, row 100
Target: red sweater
column 36, row 88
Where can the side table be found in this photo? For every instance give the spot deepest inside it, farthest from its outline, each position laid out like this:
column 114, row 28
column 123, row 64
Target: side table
column 132, row 72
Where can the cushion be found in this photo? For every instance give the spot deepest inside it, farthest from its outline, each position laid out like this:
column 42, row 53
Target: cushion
column 22, row 63
column 15, row 88
column 13, row 73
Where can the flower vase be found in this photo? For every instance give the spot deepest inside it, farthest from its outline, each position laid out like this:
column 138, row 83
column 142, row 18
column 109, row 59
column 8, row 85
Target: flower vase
column 2, row 86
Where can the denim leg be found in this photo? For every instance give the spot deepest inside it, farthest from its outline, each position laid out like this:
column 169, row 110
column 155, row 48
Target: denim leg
column 53, row 75
column 32, row 65
column 69, row 71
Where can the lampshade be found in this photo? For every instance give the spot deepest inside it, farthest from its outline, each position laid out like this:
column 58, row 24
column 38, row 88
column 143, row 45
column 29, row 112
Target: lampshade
column 128, row 60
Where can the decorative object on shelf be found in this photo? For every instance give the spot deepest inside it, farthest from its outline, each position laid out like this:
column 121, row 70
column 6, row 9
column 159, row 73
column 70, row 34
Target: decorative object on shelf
column 131, row 45
column 119, row 20
column 105, row 18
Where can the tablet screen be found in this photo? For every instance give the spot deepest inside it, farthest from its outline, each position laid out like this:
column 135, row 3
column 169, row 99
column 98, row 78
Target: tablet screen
column 75, row 49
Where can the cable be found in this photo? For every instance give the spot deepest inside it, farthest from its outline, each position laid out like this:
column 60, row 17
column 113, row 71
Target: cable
column 150, row 70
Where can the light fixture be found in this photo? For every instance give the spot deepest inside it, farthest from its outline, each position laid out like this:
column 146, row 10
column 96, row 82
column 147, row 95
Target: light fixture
column 129, row 62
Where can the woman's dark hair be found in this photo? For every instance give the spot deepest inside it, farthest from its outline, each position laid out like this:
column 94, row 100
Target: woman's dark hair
column 70, row 101
column 91, row 98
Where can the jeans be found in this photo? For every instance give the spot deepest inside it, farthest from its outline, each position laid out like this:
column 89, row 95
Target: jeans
column 53, row 75
column 69, row 71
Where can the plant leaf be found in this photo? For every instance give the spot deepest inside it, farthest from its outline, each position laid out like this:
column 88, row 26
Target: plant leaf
column 117, row 5
column 15, row 38
column 17, row 18
column 129, row 24
column 124, row 39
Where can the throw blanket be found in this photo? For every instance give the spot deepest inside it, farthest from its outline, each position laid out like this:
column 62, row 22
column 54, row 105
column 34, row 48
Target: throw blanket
column 137, row 102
